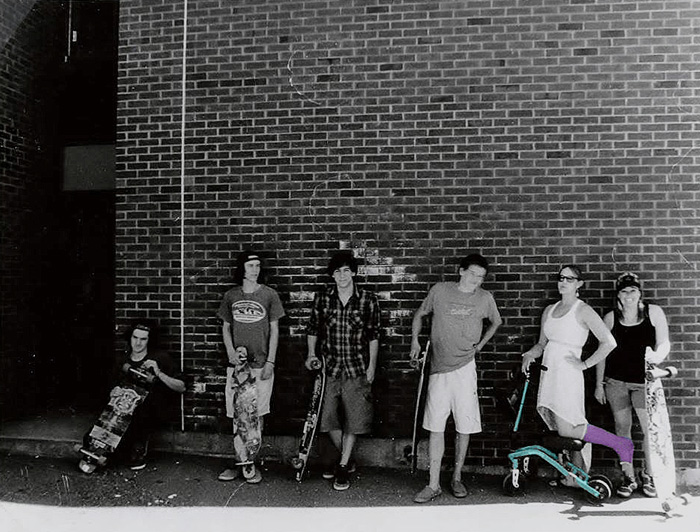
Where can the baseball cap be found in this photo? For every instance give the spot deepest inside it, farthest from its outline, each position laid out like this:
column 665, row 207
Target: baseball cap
column 626, row 280
column 247, row 256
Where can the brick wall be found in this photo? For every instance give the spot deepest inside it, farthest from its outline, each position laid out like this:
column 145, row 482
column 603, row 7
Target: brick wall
column 413, row 132
column 28, row 169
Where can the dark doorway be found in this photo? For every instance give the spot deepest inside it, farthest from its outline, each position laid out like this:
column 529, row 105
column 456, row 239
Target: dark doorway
column 79, row 366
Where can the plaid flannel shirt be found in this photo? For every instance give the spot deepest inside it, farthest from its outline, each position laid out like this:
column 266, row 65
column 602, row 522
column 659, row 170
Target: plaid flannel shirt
column 344, row 332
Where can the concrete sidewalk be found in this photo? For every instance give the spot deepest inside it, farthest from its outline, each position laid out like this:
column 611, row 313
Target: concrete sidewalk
column 41, row 488
column 177, row 492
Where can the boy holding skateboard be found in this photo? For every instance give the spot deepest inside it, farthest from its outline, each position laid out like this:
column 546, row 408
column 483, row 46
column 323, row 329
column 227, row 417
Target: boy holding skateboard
column 143, row 355
column 458, row 312
column 344, row 327
column 250, row 313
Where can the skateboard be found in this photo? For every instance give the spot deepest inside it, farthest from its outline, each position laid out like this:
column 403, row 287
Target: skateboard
column 420, row 364
column 308, row 433
column 247, row 437
column 113, row 422
column 663, row 463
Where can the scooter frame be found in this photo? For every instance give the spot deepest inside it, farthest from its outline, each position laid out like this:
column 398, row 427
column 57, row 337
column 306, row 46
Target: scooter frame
column 598, row 488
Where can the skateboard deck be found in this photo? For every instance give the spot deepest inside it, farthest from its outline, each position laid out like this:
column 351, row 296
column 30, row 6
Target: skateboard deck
column 313, row 415
column 663, row 464
column 420, row 364
column 107, row 432
column 247, row 436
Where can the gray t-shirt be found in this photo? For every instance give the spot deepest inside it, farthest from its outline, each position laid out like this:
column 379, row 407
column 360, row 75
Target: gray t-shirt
column 250, row 316
column 457, row 324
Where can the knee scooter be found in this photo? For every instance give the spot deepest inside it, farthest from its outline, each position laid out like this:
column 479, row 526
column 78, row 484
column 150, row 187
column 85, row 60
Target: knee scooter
column 554, row 451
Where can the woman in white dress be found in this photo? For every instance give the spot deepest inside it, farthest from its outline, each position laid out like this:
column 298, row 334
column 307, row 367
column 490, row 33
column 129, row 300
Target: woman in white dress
column 561, row 397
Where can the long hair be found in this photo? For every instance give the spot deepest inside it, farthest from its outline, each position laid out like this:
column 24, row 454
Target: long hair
column 239, row 272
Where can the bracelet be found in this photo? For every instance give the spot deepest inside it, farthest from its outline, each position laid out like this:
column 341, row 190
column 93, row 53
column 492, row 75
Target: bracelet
column 269, row 362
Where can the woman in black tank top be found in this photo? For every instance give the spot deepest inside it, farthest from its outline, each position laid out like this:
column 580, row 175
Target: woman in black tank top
column 641, row 332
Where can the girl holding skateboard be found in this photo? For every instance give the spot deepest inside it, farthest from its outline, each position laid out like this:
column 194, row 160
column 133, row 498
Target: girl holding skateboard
column 641, row 332
column 564, row 330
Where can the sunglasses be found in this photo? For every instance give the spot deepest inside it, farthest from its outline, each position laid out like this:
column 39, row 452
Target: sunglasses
column 567, row 279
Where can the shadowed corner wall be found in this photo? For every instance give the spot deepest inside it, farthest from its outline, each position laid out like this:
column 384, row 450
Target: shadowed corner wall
column 30, row 55
column 536, row 133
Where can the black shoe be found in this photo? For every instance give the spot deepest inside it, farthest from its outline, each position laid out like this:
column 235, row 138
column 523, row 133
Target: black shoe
column 329, row 469
column 137, row 466
column 627, row 487
column 342, row 478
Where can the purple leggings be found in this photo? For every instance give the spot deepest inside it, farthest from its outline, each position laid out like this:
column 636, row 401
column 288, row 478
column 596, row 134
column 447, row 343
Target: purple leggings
column 624, row 447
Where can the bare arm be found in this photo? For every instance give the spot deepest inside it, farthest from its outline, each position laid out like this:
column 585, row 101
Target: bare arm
column 272, row 344
column 663, row 344
column 536, row 350
column 488, row 334
column 228, row 343
column 416, row 326
column 311, row 341
column 606, row 342
column 373, row 355
column 599, row 392
column 174, row 384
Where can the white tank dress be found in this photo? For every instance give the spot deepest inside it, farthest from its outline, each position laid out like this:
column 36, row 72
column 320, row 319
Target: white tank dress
column 561, row 390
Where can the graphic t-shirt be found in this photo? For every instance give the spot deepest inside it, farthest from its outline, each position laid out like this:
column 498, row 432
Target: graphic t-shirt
column 250, row 316
column 457, row 324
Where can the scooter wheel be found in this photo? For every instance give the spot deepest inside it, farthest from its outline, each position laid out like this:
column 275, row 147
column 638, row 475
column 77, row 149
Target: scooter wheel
column 297, row 463
column 510, row 489
column 602, row 485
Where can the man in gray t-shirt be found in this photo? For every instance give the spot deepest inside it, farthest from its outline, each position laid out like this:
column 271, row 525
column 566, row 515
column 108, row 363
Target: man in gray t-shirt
column 250, row 314
column 458, row 311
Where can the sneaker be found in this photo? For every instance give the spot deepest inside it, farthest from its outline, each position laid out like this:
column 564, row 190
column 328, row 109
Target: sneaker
column 137, row 466
column 627, row 487
column 427, row 494
column 342, row 478
column 458, row 489
column 329, row 470
column 648, row 487
column 229, row 474
column 252, row 474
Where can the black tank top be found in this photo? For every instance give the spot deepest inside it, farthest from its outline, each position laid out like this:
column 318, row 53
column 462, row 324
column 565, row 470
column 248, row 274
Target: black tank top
column 626, row 361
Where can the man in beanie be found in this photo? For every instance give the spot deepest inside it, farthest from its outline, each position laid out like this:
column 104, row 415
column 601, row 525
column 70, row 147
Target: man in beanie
column 250, row 313
column 344, row 329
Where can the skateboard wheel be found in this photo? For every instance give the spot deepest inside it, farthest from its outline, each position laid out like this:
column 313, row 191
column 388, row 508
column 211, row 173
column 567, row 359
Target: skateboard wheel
column 297, row 463
column 86, row 467
column 602, row 485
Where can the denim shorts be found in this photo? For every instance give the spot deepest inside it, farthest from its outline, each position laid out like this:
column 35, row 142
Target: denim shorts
column 355, row 397
column 623, row 395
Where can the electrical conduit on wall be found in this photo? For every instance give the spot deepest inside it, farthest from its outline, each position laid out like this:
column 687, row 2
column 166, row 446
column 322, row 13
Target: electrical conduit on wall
column 182, row 209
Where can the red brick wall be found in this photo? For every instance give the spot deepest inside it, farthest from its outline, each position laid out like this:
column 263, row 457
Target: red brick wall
column 537, row 133
column 29, row 56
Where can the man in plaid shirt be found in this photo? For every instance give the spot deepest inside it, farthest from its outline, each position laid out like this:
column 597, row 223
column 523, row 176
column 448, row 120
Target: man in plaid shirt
column 344, row 327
